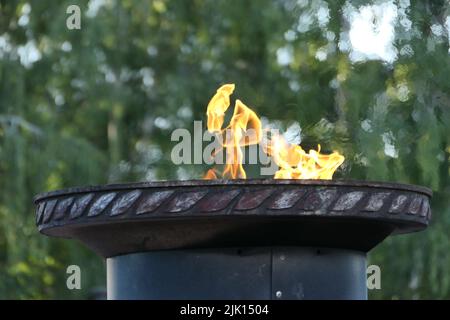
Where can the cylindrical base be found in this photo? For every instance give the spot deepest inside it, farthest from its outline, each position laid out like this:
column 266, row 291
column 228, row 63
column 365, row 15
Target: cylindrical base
column 239, row 273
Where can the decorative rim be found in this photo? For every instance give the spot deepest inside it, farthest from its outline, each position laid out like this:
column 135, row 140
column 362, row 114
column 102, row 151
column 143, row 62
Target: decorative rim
column 117, row 219
column 238, row 182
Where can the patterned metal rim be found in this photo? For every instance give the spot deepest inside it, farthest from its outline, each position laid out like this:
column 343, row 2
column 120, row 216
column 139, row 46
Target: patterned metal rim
column 236, row 182
column 156, row 209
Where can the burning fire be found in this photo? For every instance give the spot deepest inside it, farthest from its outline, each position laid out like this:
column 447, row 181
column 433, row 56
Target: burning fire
column 245, row 129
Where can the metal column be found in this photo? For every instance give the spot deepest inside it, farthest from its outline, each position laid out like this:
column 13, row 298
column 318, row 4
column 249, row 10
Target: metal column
column 239, row 273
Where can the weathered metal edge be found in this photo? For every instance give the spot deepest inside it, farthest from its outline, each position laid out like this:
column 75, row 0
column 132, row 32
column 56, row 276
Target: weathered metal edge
column 229, row 200
column 236, row 182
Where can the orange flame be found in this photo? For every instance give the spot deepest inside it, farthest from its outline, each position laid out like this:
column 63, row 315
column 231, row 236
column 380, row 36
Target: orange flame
column 295, row 163
column 218, row 106
column 210, row 175
column 244, row 129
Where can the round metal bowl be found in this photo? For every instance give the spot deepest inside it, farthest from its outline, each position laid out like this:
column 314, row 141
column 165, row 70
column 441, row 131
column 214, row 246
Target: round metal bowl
column 138, row 217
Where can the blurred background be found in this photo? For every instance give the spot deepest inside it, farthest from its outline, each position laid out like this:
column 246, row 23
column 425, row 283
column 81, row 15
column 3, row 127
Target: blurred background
column 97, row 105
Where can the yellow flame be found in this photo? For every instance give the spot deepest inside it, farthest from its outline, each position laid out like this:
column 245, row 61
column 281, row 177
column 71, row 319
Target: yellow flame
column 295, row 163
column 245, row 129
column 218, row 106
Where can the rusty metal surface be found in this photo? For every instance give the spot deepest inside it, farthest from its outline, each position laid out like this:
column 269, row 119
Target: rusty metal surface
column 117, row 219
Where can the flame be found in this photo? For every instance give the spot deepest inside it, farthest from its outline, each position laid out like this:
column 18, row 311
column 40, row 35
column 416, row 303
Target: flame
column 218, row 106
column 245, row 129
column 295, row 163
column 210, row 175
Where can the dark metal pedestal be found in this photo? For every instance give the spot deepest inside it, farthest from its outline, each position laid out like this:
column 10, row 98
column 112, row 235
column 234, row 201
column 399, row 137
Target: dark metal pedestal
column 165, row 239
column 239, row 273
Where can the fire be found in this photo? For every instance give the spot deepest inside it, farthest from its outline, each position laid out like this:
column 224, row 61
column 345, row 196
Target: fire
column 210, row 175
column 295, row 163
column 218, row 106
column 245, row 129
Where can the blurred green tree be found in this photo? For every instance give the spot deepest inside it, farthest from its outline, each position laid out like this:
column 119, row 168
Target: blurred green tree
column 97, row 105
